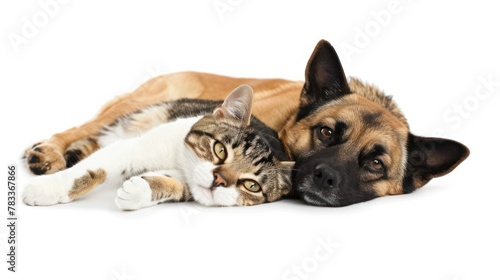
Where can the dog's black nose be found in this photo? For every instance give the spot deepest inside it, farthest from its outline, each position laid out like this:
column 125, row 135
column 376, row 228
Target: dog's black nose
column 326, row 177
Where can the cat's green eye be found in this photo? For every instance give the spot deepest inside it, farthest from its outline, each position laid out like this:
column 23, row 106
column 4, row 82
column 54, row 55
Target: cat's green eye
column 220, row 150
column 251, row 185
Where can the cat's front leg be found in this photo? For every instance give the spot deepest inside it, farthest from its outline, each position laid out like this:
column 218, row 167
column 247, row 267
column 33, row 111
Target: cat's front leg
column 61, row 187
column 151, row 188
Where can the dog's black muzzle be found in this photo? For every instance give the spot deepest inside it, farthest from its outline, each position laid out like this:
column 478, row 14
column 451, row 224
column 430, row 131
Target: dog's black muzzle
column 321, row 179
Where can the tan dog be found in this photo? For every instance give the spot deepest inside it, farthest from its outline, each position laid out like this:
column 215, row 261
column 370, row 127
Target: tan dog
column 350, row 141
column 274, row 102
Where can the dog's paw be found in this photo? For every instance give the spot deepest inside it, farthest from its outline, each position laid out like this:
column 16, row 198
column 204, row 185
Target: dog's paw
column 134, row 194
column 46, row 190
column 44, row 158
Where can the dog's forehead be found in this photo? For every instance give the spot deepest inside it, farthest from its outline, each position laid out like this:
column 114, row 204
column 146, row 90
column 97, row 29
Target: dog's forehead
column 357, row 111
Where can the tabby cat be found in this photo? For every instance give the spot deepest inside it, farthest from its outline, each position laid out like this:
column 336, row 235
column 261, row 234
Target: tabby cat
column 216, row 154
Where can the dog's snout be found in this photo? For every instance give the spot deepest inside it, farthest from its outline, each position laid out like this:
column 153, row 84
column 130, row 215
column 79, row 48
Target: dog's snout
column 326, row 177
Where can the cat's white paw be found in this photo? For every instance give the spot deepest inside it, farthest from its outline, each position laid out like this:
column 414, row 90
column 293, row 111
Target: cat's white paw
column 46, row 190
column 134, row 194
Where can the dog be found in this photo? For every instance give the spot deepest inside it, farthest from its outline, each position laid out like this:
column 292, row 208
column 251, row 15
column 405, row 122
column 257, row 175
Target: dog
column 350, row 141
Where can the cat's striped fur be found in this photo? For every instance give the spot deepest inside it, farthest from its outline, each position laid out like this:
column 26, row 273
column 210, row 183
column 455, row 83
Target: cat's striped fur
column 176, row 151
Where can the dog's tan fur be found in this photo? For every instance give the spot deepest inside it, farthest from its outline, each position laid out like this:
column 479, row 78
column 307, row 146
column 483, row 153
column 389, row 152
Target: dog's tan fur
column 275, row 102
column 364, row 127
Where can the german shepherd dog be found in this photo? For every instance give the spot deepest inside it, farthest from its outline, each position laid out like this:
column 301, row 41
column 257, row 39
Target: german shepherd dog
column 351, row 143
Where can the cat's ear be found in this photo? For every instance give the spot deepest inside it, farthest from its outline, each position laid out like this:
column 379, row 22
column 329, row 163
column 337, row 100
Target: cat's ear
column 237, row 105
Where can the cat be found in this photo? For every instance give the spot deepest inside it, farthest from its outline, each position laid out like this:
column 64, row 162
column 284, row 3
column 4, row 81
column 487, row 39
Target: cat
column 216, row 154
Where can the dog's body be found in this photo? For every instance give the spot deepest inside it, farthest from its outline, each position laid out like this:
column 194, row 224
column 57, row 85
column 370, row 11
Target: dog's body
column 351, row 142
column 275, row 101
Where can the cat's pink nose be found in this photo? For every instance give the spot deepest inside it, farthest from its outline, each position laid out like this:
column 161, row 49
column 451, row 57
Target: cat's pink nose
column 219, row 180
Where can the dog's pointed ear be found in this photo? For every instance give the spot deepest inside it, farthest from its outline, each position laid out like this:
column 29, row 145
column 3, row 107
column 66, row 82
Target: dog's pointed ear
column 429, row 158
column 237, row 105
column 325, row 78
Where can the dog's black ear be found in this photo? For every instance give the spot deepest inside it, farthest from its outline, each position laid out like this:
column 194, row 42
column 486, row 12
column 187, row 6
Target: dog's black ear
column 430, row 158
column 325, row 78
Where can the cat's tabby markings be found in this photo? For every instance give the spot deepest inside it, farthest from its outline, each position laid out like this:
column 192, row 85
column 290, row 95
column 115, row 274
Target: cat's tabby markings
column 86, row 183
column 177, row 151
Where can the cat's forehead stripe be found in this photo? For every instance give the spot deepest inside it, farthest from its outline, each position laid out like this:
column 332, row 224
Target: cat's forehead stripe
column 264, row 179
column 202, row 133
column 264, row 159
column 248, row 142
column 257, row 173
column 226, row 139
column 255, row 145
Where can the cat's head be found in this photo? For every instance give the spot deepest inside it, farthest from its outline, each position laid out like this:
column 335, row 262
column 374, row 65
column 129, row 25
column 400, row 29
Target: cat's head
column 232, row 163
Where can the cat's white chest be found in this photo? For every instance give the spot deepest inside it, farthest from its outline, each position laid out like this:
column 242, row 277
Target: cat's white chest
column 163, row 145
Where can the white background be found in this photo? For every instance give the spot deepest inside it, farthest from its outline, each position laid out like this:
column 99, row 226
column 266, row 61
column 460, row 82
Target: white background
column 430, row 56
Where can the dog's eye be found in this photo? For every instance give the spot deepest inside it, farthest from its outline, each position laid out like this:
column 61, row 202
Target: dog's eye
column 326, row 132
column 220, row 151
column 375, row 165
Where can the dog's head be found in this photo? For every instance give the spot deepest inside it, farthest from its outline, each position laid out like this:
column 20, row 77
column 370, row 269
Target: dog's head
column 352, row 144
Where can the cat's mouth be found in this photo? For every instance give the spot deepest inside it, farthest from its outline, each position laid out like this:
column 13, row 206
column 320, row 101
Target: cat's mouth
column 207, row 192
column 210, row 190
column 215, row 195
